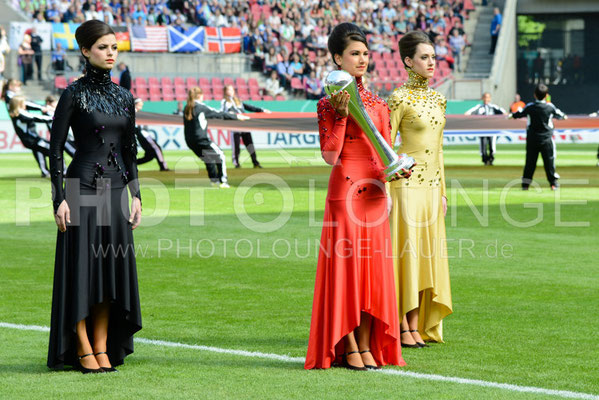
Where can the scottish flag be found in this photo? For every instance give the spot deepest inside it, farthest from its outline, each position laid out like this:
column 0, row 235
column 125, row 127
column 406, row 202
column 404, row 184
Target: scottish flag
column 191, row 40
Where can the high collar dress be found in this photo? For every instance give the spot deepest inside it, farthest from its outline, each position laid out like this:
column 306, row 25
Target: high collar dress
column 355, row 267
column 95, row 256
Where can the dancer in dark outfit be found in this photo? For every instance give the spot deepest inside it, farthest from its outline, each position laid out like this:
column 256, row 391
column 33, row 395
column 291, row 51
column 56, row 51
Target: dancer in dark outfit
column 232, row 104
column 11, row 89
column 196, row 135
column 95, row 277
column 539, row 137
column 24, row 124
column 146, row 141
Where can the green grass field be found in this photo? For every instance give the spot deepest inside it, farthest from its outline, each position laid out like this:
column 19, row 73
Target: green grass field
column 234, row 269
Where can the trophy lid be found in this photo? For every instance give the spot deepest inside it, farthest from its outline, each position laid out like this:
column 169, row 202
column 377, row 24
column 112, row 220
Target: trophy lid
column 336, row 81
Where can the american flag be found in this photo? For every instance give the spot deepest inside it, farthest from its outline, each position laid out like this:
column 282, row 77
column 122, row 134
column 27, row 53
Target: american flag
column 149, row 38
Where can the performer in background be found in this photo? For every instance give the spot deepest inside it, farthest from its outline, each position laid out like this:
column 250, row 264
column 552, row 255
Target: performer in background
column 420, row 203
column 539, row 136
column 146, row 141
column 354, row 312
column 487, row 143
column 232, row 104
column 13, row 88
column 24, row 125
column 91, row 212
column 195, row 123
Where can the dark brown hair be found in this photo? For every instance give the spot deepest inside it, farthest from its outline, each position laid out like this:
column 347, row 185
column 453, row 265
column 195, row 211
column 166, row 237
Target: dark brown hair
column 89, row 32
column 409, row 42
column 340, row 37
column 541, row 91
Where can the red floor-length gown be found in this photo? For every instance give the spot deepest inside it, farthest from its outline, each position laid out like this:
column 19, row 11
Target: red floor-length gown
column 355, row 265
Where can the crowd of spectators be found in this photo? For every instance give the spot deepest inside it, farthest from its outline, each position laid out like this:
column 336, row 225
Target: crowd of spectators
column 287, row 37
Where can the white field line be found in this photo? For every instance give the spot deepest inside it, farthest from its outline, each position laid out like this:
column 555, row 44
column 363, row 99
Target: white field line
column 278, row 357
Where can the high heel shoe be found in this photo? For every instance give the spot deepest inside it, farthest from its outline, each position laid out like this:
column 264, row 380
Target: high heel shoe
column 347, row 365
column 420, row 344
column 409, row 346
column 84, row 370
column 369, row 366
column 106, row 369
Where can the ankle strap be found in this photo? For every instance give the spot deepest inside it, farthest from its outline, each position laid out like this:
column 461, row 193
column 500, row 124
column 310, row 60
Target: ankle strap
column 365, row 351
column 85, row 355
column 101, row 352
column 351, row 352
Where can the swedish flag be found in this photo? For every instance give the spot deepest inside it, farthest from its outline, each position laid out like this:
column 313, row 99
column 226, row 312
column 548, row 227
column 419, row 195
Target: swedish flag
column 65, row 35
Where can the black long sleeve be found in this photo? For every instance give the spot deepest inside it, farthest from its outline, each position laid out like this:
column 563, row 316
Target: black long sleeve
column 130, row 155
column 252, row 108
column 58, row 137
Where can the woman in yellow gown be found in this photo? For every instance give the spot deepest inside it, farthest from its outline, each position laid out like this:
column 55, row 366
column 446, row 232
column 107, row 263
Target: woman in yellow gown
column 419, row 204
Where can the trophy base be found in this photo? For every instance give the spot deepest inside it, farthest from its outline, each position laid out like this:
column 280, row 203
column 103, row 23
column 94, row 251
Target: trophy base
column 395, row 169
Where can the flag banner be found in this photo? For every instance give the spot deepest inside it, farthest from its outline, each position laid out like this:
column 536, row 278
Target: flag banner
column 190, row 41
column 18, row 29
column 148, row 38
column 223, row 40
column 65, row 35
column 122, row 38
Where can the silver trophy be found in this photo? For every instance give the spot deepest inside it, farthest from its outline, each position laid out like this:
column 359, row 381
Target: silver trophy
column 337, row 81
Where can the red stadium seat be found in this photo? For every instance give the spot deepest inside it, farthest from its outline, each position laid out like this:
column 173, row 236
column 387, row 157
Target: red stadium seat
column 166, row 81
column 254, row 90
column 178, row 81
column 267, row 98
column 387, row 56
column 142, row 93
column 168, row 96
column 244, row 96
column 252, row 82
column 280, row 98
column 191, row 82
column 296, row 84
column 180, row 96
column 256, row 97
column 228, row 81
column 218, row 93
column 217, row 82
column 207, row 96
column 153, row 81
column 60, row 82
column 204, row 82
column 141, row 82
column 240, row 82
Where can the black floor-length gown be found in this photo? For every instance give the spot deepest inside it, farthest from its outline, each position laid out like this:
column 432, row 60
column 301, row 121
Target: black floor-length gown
column 95, row 260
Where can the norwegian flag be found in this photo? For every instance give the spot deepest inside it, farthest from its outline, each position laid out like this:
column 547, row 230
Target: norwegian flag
column 223, row 40
column 148, row 38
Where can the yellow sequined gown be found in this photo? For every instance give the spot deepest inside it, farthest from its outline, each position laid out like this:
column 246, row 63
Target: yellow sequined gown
column 417, row 221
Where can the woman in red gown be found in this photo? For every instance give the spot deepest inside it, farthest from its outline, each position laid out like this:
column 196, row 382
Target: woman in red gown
column 354, row 314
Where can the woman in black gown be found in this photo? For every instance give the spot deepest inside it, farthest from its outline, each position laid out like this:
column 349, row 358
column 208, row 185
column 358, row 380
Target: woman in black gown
column 95, row 301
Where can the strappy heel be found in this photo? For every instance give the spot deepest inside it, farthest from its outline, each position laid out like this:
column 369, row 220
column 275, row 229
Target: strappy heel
column 84, row 370
column 419, row 344
column 409, row 346
column 347, row 365
column 369, row 366
column 106, row 369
